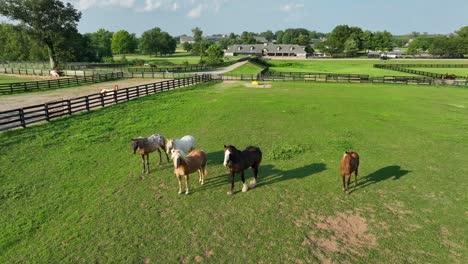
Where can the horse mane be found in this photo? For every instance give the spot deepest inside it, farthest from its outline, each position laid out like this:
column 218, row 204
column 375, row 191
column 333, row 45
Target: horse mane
column 180, row 154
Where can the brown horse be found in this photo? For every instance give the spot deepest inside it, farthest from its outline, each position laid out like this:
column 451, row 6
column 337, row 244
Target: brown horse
column 349, row 164
column 238, row 161
column 145, row 146
column 184, row 165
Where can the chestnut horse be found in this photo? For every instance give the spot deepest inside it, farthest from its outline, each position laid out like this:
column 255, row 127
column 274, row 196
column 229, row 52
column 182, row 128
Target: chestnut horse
column 349, row 164
column 186, row 165
column 237, row 161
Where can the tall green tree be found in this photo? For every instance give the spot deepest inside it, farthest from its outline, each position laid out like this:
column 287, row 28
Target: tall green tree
column 123, row 42
column 197, row 35
column 50, row 21
column 101, row 43
column 214, row 54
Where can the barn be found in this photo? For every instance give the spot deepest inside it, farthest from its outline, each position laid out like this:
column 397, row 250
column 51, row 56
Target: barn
column 267, row 49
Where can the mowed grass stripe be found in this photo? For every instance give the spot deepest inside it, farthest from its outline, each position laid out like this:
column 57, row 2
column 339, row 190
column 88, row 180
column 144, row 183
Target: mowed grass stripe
column 71, row 191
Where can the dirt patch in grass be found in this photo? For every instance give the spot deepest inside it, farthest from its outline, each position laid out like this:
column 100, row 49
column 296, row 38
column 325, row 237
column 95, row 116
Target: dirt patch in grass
column 346, row 233
column 397, row 208
column 250, row 85
column 452, row 246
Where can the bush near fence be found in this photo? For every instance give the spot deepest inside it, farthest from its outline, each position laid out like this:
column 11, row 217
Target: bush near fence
column 46, row 112
column 21, row 87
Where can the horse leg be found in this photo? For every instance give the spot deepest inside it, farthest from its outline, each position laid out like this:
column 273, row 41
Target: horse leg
column 186, row 184
column 253, row 182
column 179, row 178
column 144, row 166
column 160, row 158
column 147, row 164
column 245, row 188
column 344, row 184
column 167, row 157
column 200, row 180
column 355, row 178
column 349, row 182
column 232, row 184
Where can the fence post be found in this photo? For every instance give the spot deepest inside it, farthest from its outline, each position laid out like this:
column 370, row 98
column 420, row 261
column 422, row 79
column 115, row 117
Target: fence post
column 21, row 115
column 46, row 108
column 102, row 100
column 69, row 107
column 87, row 102
column 126, row 93
column 11, row 88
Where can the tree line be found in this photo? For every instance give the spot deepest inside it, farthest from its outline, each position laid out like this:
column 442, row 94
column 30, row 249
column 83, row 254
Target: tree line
column 47, row 29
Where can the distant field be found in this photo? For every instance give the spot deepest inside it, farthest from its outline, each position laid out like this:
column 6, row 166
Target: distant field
column 349, row 66
column 248, row 68
column 177, row 58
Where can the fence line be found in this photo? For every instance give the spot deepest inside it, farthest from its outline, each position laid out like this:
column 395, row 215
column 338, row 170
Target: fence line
column 26, row 116
column 340, row 78
column 405, row 68
column 20, row 87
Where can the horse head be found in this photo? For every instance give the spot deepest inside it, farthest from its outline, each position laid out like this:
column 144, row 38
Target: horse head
column 229, row 151
column 135, row 145
column 177, row 156
column 169, row 146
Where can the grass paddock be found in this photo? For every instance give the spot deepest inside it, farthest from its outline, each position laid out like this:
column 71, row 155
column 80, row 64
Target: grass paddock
column 71, row 191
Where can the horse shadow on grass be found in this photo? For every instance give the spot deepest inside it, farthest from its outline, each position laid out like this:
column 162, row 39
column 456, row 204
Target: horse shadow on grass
column 382, row 174
column 267, row 175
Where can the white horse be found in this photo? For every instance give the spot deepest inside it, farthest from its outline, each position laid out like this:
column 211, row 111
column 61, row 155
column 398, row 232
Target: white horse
column 105, row 91
column 186, row 144
column 54, row 73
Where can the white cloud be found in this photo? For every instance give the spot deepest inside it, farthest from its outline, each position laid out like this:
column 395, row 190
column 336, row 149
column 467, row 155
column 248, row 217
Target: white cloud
column 86, row 4
column 195, row 12
column 152, row 5
column 194, row 8
column 290, row 7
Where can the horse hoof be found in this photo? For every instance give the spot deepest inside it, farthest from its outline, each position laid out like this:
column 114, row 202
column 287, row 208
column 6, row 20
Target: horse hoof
column 253, row 184
column 187, row 192
column 229, row 193
column 245, row 188
column 180, row 192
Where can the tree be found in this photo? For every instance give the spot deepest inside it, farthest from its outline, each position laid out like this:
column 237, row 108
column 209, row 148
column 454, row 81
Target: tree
column 123, row 42
column 197, row 35
column 303, row 40
column 214, row 54
column 268, row 35
column 351, row 47
column 150, row 42
column 101, row 43
column 187, row 46
column 49, row 21
column 366, row 38
column 248, row 38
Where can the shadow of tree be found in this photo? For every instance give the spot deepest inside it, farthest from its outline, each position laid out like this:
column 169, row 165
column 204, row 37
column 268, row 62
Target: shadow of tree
column 382, row 174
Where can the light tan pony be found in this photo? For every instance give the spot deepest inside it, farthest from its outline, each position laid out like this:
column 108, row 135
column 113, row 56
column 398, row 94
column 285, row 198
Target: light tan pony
column 184, row 165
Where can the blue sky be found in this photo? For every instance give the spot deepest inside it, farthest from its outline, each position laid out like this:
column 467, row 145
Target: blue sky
column 225, row 16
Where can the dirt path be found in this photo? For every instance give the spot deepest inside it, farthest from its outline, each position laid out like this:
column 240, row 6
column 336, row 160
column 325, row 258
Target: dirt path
column 8, row 102
column 226, row 69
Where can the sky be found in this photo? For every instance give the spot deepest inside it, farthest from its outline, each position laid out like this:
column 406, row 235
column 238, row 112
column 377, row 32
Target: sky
column 224, row 16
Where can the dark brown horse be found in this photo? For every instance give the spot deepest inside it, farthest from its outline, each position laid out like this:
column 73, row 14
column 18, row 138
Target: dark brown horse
column 237, row 161
column 145, row 146
column 349, row 164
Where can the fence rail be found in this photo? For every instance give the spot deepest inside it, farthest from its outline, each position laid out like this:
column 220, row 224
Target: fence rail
column 405, row 68
column 21, row 87
column 26, row 116
column 345, row 78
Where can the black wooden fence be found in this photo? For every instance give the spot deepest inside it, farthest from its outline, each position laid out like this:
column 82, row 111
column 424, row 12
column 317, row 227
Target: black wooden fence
column 10, row 88
column 45, row 112
column 405, row 68
column 339, row 78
